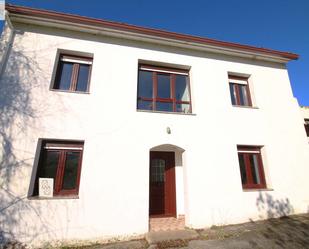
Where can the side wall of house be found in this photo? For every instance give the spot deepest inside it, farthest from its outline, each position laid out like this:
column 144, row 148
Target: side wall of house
column 114, row 190
column 305, row 111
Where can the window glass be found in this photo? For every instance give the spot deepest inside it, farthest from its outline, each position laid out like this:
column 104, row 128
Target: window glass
column 254, row 169
column 157, row 170
column 145, row 84
column 233, row 93
column 65, row 75
column 50, row 163
column 144, row 105
column 70, row 170
column 181, row 88
column 185, row 108
column 242, row 168
column 164, row 107
column 164, row 86
column 82, row 80
column 243, row 95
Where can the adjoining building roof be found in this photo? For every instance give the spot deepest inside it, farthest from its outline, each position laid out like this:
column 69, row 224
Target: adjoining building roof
column 58, row 17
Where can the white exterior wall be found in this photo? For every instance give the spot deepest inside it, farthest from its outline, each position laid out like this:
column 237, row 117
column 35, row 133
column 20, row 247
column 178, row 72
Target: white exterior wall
column 114, row 191
column 305, row 112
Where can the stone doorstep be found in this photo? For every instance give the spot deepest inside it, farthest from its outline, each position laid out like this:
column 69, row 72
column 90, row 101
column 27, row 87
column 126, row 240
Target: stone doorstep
column 166, row 224
column 160, row 236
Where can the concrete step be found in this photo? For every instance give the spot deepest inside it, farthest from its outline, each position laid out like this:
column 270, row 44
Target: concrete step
column 156, row 237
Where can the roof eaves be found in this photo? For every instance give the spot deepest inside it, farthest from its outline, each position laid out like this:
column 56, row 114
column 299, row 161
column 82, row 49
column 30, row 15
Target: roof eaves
column 145, row 31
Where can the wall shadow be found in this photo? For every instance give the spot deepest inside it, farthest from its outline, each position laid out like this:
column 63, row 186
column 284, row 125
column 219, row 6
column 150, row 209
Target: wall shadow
column 273, row 208
column 281, row 229
column 17, row 115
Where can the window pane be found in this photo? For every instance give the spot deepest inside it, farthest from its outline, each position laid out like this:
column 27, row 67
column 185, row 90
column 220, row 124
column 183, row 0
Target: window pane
column 145, row 84
column 48, row 168
column 181, row 88
column 70, row 170
column 254, row 169
column 157, row 173
column 243, row 95
column 233, row 93
column 82, row 80
column 64, row 76
column 144, row 105
column 164, row 107
column 185, row 108
column 242, row 169
column 164, row 87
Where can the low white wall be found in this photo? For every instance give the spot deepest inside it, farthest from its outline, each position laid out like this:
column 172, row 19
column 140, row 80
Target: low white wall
column 114, row 191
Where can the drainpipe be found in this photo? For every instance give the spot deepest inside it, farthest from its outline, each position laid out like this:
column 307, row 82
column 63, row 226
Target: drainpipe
column 9, row 44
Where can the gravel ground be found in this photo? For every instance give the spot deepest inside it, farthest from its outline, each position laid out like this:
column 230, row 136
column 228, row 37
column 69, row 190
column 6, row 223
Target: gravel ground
column 290, row 232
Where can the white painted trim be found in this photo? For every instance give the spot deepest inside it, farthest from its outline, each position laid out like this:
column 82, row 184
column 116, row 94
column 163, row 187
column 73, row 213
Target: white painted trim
column 63, row 148
column 249, row 151
column 76, row 61
column 162, row 71
column 242, row 82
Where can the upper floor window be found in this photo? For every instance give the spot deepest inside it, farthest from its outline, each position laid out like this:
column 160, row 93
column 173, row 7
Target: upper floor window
column 61, row 161
column 73, row 73
column 251, row 167
column 240, row 91
column 163, row 89
column 307, row 126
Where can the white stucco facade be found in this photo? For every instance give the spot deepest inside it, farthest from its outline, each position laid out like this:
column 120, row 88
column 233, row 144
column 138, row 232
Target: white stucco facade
column 114, row 186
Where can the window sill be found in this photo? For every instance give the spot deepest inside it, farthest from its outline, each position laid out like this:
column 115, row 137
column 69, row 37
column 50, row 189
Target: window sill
column 246, row 107
column 257, row 189
column 177, row 113
column 54, row 197
column 65, row 91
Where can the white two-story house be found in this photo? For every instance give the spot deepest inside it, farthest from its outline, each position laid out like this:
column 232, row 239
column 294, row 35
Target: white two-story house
column 127, row 123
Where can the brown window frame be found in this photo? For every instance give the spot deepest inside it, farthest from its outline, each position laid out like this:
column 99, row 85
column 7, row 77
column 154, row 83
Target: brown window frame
column 167, row 71
column 75, row 71
column 307, row 126
column 63, row 147
column 237, row 90
column 257, row 151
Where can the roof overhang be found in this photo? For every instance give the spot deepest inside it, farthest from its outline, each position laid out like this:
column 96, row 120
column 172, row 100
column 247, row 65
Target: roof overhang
column 136, row 33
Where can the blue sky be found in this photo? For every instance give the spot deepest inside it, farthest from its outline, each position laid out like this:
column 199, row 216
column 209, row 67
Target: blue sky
column 277, row 24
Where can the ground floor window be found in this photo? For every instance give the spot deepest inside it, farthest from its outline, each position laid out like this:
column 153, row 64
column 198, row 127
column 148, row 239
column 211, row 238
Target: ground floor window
column 251, row 167
column 61, row 161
